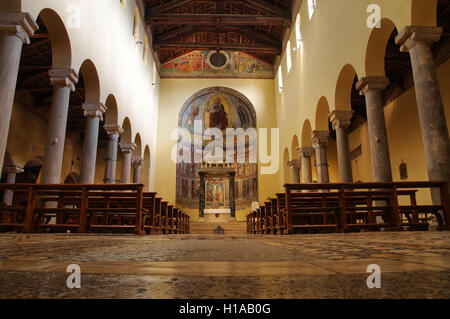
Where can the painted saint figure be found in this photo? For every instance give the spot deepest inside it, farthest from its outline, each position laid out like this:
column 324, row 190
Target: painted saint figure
column 218, row 118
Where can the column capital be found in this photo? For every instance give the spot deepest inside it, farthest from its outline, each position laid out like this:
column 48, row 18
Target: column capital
column 320, row 138
column 60, row 78
column 341, row 119
column 137, row 161
column 113, row 129
column 20, row 24
column 411, row 35
column 372, row 83
column 305, row 151
column 13, row 169
column 295, row 163
column 94, row 110
column 127, row 147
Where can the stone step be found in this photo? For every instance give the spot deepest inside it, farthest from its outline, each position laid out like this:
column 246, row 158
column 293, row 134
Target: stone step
column 207, row 228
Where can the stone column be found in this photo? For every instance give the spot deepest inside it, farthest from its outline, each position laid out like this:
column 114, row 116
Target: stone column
column 63, row 81
column 111, row 159
column 341, row 121
column 320, row 140
column 202, row 195
column 127, row 150
column 295, row 167
column 11, row 172
column 137, row 163
column 16, row 28
column 306, row 168
column 94, row 114
column 417, row 41
column 232, row 199
column 372, row 88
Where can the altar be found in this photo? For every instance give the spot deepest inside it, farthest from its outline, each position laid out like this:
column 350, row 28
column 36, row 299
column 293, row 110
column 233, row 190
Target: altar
column 210, row 171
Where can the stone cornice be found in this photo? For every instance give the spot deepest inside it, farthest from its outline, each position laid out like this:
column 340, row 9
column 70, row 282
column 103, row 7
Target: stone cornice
column 305, row 151
column 296, row 163
column 113, row 129
column 20, row 24
column 127, row 147
column 372, row 83
column 60, row 78
column 320, row 138
column 341, row 119
column 411, row 35
column 94, row 110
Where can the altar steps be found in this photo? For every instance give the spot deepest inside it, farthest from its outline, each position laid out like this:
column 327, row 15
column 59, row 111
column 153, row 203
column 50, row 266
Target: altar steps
column 207, row 228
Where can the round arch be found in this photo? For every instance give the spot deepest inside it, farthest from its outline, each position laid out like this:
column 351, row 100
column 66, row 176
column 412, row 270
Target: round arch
column 111, row 116
column 146, row 168
column 59, row 38
column 294, row 146
column 218, row 89
column 127, row 132
column 286, row 170
column 91, row 81
column 343, row 95
column 138, row 141
column 322, row 115
column 376, row 48
column 306, row 134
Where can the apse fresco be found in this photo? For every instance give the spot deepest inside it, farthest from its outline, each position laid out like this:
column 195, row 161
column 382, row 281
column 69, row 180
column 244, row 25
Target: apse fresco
column 222, row 109
column 196, row 65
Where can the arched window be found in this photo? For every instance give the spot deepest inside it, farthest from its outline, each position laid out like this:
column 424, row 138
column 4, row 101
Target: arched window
column 154, row 74
column 298, row 32
column 288, row 57
column 146, row 49
column 123, row 3
column 312, row 5
column 136, row 24
column 280, row 80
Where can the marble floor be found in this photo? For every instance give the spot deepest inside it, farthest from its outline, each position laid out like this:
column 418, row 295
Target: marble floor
column 413, row 265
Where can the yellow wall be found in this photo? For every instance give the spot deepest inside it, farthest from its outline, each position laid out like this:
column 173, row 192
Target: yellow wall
column 338, row 35
column 105, row 36
column 174, row 93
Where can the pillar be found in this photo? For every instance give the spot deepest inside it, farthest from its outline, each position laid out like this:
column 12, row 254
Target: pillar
column 127, row 150
column 320, row 140
column 417, row 41
column 306, row 168
column 372, row 88
column 94, row 114
column 137, row 163
column 341, row 121
column 113, row 132
column 11, row 172
column 232, row 199
column 63, row 82
column 295, row 167
column 202, row 194
column 16, row 28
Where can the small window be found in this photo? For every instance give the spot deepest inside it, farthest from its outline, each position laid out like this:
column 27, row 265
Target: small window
column 312, row 5
column 280, row 80
column 288, row 57
column 298, row 33
column 154, row 74
column 123, row 3
column 146, row 49
column 136, row 24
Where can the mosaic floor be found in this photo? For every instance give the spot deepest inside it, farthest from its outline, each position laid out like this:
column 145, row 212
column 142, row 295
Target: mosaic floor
column 413, row 265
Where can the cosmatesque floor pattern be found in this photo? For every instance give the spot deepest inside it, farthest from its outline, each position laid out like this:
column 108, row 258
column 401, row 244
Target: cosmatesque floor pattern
column 413, row 265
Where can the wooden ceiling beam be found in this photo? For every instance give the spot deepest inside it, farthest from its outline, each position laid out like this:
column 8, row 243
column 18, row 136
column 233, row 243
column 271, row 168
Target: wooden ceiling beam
column 176, row 33
column 212, row 46
column 261, row 4
column 167, row 6
column 218, row 19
